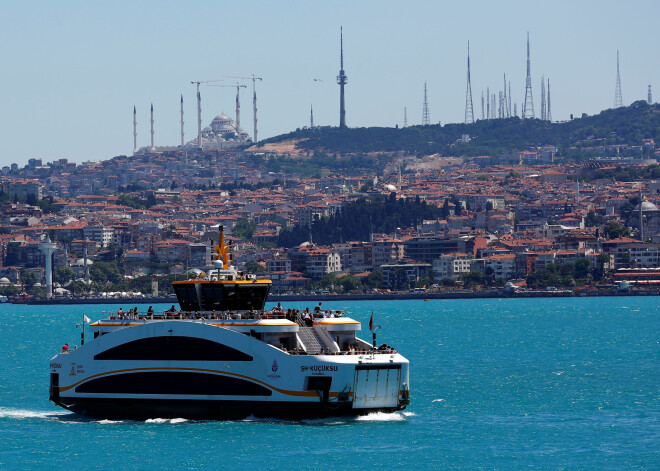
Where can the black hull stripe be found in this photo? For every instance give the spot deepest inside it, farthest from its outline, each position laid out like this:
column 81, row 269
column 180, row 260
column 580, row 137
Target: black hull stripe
column 173, row 383
column 203, row 370
column 143, row 409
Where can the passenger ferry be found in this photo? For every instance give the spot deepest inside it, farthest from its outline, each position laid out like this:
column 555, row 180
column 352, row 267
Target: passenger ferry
column 223, row 356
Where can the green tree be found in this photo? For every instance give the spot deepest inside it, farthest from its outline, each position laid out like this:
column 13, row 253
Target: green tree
column 63, row 275
column 28, row 278
column 254, row 267
column 244, row 229
column 614, row 230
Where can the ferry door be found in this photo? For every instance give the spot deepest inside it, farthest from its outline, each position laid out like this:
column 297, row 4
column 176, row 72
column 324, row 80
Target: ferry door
column 376, row 386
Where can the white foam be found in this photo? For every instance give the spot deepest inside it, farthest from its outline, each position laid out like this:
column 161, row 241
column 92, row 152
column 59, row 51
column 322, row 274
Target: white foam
column 409, row 414
column 165, row 421
column 106, row 421
column 438, row 400
column 382, row 417
column 24, row 414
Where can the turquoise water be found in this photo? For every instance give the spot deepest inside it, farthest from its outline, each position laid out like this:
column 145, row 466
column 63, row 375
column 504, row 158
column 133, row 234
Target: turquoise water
column 568, row 383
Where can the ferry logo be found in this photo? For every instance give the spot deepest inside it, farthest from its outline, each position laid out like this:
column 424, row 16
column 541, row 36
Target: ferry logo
column 274, row 367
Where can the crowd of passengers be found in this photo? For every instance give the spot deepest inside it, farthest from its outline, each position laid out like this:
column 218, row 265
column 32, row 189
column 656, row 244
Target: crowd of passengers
column 306, row 316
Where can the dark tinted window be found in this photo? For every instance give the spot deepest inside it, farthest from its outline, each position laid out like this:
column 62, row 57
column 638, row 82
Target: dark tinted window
column 187, row 297
column 173, row 348
column 173, row 382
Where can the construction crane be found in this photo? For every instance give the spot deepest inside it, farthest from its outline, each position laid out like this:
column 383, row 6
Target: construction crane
column 238, row 102
column 199, row 109
column 254, row 98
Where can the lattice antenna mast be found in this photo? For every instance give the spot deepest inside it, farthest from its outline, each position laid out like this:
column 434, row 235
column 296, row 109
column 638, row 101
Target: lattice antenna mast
column 341, row 80
column 507, row 111
column 528, row 109
column 618, row 99
column 549, row 112
column 483, row 116
column 543, row 98
column 311, row 116
column 488, row 102
column 469, row 111
column 650, row 98
column 426, row 120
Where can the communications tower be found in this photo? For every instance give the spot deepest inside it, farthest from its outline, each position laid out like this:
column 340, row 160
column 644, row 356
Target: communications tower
column 182, row 134
column 528, row 109
column 153, row 148
column 341, row 80
column 469, row 111
column 549, row 111
column 618, row 100
column 425, row 110
column 542, row 98
column 650, row 98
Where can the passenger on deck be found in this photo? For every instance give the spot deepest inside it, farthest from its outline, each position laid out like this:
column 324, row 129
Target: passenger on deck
column 65, row 347
column 278, row 309
column 120, row 313
column 150, row 311
column 308, row 319
column 135, row 312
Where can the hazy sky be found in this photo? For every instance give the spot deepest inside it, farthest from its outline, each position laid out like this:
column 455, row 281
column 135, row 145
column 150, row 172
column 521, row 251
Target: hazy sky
column 71, row 71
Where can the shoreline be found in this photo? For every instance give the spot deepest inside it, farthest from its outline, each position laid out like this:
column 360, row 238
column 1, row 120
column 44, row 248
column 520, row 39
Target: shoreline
column 357, row 297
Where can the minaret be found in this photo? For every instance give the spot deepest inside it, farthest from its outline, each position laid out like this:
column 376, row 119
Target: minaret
column 341, row 80
column 135, row 149
column 469, row 110
column 85, row 263
column 311, row 116
column 48, row 248
column 254, row 106
column 199, row 119
column 153, row 148
column 238, row 109
column 182, row 135
column 618, row 100
column 528, row 109
column 549, row 110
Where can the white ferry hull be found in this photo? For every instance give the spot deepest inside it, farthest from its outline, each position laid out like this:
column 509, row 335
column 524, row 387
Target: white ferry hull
column 198, row 370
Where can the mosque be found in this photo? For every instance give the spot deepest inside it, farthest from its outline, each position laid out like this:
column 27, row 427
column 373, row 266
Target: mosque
column 223, row 133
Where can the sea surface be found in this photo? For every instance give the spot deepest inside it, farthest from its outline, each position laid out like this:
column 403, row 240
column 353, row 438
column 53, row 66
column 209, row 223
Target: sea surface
column 566, row 383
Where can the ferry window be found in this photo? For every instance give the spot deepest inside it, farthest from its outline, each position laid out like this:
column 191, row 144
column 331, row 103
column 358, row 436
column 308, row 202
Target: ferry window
column 173, row 348
column 212, row 297
column 187, row 296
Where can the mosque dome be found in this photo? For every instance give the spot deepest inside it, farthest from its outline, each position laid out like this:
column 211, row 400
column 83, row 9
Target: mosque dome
column 647, row 206
column 4, row 281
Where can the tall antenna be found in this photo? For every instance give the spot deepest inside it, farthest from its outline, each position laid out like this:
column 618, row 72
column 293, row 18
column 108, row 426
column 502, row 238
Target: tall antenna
column 405, row 116
column 469, row 111
column 182, row 135
column 341, row 80
column 426, row 120
column 618, row 100
column 311, row 116
column 549, row 111
column 507, row 111
column 515, row 110
column 650, row 98
column 493, row 106
column 488, row 103
column 528, row 110
column 153, row 148
column 135, row 130
column 238, row 107
column 483, row 116
column 542, row 98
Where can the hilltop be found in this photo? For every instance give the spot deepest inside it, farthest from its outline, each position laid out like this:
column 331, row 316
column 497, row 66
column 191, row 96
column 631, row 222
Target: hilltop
column 621, row 126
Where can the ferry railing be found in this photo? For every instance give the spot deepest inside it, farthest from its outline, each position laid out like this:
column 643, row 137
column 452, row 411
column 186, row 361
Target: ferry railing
column 294, row 315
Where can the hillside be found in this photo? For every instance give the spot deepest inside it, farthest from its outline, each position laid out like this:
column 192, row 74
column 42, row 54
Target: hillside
column 627, row 125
